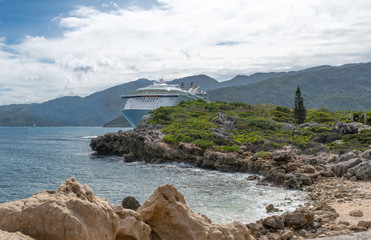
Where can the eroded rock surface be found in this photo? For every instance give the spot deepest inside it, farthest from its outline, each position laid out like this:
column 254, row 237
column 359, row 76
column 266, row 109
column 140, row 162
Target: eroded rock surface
column 72, row 212
column 168, row 215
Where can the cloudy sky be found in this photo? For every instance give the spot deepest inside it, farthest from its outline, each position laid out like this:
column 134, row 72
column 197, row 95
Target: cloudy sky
column 50, row 49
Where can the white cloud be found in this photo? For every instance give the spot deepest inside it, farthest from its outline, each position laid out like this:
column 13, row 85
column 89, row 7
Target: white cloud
column 180, row 38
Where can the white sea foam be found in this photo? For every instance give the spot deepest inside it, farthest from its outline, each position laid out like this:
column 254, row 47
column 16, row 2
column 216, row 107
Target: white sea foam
column 89, row 137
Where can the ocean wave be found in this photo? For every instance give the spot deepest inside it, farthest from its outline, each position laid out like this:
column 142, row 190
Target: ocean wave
column 89, row 137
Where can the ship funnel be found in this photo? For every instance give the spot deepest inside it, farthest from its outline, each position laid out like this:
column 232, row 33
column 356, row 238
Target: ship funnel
column 191, row 85
column 182, row 85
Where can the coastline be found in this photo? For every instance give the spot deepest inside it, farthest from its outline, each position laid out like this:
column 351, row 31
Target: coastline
column 286, row 167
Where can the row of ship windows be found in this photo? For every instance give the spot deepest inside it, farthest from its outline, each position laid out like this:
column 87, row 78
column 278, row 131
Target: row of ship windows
column 147, row 99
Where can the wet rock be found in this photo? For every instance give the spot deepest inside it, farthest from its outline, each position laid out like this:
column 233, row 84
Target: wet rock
column 270, row 208
column 253, row 177
column 300, row 218
column 356, row 213
column 276, row 222
column 130, row 203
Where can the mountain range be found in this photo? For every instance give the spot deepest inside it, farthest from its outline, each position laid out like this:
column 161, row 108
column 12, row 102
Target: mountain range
column 347, row 87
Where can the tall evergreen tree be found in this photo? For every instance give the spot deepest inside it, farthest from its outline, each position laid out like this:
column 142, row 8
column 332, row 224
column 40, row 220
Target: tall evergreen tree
column 300, row 112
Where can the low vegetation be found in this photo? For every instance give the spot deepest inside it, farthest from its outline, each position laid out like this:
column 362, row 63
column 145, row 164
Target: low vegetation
column 259, row 128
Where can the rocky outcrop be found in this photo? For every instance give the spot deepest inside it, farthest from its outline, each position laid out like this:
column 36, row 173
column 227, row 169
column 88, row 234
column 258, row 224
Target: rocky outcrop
column 72, row 212
column 354, row 165
column 146, row 145
column 170, row 218
column 348, row 128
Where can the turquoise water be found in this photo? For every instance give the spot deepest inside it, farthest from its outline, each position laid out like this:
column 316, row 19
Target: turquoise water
column 35, row 159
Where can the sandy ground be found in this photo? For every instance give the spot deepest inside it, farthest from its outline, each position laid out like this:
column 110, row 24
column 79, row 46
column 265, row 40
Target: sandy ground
column 352, row 236
column 361, row 200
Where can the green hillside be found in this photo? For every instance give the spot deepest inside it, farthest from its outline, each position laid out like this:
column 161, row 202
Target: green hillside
column 339, row 88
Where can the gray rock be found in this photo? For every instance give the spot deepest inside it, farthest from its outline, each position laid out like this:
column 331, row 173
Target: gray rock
column 344, row 128
column 366, row 154
column 300, row 218
column 282, row 155
column 270, row 208
column 222, row 121
column 342, row 168
column 363, row 171
column 347, row 156
column 289, row 127
column 130, row 203
column 327, row 174
column 276, row 222
column 144, row 121
column 307, row 125
column 309, row 169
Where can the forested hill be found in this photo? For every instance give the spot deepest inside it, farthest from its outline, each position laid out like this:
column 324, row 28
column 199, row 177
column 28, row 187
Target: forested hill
column 339, row 88
column 346, row 87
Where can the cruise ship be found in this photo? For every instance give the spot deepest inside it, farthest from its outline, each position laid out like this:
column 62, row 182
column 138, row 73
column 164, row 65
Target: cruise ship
column 159, row 94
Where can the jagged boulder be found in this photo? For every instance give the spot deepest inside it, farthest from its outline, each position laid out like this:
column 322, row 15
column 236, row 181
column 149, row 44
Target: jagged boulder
column 363, row 171
column 276, row 222
column 130, row 203
column 349, row 128
column 341, row 168
column 300, row 218
column 344, row 128
column 72, row 212
column 170, row 218
column 282, row 155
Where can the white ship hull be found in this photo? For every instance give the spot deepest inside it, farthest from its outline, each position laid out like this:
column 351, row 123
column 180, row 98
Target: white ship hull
column 140, row 102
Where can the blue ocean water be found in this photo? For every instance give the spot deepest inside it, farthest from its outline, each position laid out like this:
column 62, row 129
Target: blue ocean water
column 36, row 159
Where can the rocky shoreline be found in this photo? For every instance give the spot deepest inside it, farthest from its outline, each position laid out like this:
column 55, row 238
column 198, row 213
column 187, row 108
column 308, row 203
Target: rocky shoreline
column 288, row 167
column 73, row 212
column 337, row 184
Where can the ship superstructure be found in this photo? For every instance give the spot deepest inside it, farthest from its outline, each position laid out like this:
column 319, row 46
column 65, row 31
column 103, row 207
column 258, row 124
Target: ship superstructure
column 159, row 94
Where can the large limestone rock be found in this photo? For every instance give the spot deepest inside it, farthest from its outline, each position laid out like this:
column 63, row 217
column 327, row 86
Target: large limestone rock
column 71, row 213
column 170, row 218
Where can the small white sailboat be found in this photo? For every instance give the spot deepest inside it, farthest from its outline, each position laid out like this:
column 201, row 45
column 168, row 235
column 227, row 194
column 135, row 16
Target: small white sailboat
column 34, row 125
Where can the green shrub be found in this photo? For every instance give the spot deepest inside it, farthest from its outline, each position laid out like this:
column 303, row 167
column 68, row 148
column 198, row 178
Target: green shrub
column 320, row 117
column 233, row 148
column 262, row 154
column 203, row 143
